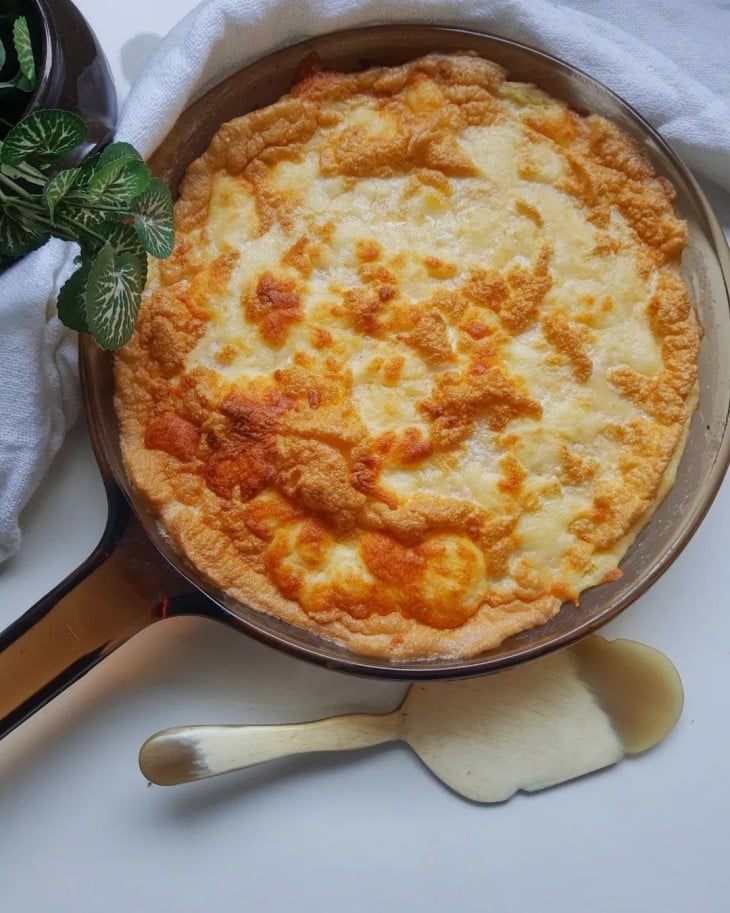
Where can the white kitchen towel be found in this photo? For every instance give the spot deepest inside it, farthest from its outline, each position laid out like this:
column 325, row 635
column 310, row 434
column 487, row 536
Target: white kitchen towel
column 39, row 390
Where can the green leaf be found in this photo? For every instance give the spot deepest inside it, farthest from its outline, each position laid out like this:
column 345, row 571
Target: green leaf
column 80, row 220
column 58, row 186
column 118, row 151
column 24, row 49
column 24, row 173
column 118, row 182
column 89, row 165
column 87, row 168
column 124, row 240
column 18, row 238
column 17, row 83
column 72, row 300
column 113, row 295
column 120, row 236
column 154, row 222
column 44, row 135
column 3, row 54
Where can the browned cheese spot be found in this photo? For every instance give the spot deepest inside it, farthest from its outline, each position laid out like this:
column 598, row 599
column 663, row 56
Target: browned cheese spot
column 527, row 288
column 304, row 255
column 516, row 296
column 226, row 354
column 486, row 288
column 578, row 466
column 272, row 205
column 417, row 134
column 274, row 306
column 475, row 329
column 411, row 447
column 561, row 126
column 173, row 319
column 368, row 251
column 565, row 337
column 174, row 435
column 529, row 211
column 403, row 575
column 426, row 177
column 440, row 269
column 242, row 452
column 316, row 474
column 458, row 398
column 663, row 397
column 319, row 337
column 364, row 307
column 513, row 475
column 430, row 337
column 607, row 169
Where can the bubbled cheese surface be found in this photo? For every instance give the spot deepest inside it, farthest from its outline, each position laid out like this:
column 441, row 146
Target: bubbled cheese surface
column 421, row 364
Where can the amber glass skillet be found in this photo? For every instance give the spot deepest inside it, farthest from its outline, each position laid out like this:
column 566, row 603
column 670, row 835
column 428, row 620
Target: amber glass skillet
column 136, row 577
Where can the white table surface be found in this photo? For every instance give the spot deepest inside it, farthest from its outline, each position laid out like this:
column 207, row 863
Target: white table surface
column 81, row 830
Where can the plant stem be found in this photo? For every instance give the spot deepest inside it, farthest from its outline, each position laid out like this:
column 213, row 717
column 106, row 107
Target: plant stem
column 31, row 174
column 36, row 220
column 16, row 188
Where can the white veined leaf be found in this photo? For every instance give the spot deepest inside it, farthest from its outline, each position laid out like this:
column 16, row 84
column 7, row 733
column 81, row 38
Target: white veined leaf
column 86, row 170
column 71, row 303
column 118, row 182
column 154, row 221
column 113, row 295
column 18, row 238
column 123, row 240
column 43, row 135
column 24, row 49
column 84, row 224
column 58, row 186
column 116, row 151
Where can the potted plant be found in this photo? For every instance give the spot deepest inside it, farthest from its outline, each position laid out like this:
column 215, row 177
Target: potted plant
column 71, row 71
column 57, row 110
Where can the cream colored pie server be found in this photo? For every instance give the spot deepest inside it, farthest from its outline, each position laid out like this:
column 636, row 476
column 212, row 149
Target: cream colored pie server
column 557, row 718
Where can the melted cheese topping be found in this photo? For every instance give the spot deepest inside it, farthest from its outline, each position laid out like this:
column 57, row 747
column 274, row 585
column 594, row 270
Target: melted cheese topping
column 421, row 363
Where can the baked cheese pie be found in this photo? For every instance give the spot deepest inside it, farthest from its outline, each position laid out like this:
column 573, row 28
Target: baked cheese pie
column 421, row 365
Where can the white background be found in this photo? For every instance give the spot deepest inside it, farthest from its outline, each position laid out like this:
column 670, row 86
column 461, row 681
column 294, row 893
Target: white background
column 80, row 829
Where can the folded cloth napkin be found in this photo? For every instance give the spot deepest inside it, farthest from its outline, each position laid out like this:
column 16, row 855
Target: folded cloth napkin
column 39, row 396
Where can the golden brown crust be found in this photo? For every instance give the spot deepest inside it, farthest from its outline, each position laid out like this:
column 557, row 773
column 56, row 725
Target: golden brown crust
column 421, row 363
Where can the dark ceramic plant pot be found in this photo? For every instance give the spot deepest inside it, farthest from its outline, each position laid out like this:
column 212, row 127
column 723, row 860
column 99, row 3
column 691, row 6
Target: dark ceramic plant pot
column 73, row 74
column 72, row 70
